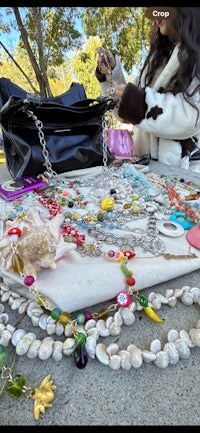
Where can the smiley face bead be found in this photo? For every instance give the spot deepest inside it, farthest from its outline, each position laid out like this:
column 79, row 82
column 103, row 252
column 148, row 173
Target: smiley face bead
column 107, row 203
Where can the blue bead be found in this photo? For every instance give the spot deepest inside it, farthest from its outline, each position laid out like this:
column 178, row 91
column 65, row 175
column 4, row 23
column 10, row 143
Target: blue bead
column 80, row 318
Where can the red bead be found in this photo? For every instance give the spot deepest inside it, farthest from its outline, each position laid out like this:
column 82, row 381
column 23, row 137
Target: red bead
column 14, row 231
column 130, row 281
column 129, row 254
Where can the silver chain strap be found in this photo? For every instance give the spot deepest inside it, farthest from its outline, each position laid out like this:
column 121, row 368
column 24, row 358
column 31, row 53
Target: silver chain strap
column 39, row 125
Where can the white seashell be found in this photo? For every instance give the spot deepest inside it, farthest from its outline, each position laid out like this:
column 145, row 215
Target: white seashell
column 43, row 321
column 155, row 346
column 29, row 337
column 17, row 302
column 4, row 318
column 101, row 354
column 187, row 298
column 10, row 328
column 172, row 301
column 33, row 349
column 125, row 359
column 68, row 330
column 45, row 349
column 23, row 346
column 172, row 352
column 51, row 328
column 169, row 293
column 127, row 316
column 162, row 360
column 93, row 332
column 118, row 318
column 5, row 337
column 156, row 304
column 17, row 336
column 195, row 336
column 163, row 299
column 101, row 326
column 35, row 320
column 172, row 335
column 23, row 307
column 114, row 329
column 33, row 309
column 185, row 336
column 148, row 356
column 112, row 349
column 151, row 296
column 59, row 328
column 69, row 346
column 90, row 324
column 178, row 293
column 6, row 295
column 136, row 357
column 1, row 308
column 90, row 346
column 195, row 293
column 183, row 349
column 57, row 351
column 115, row 362
column 109, row 320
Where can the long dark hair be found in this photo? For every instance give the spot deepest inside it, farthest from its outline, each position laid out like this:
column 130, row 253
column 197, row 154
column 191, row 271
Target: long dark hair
column 186, row 28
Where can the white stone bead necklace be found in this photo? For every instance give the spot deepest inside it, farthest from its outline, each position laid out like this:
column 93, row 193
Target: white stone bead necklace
column 178, row 345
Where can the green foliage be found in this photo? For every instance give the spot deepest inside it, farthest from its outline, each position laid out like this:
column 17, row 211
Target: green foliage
column 124, row 31
column 57, row 47
column 83, row 63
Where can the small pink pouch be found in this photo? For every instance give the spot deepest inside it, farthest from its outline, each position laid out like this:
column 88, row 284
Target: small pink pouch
column 120, row 142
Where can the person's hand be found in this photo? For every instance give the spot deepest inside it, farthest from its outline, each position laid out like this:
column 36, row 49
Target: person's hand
column 116, row 89
column 105, row 61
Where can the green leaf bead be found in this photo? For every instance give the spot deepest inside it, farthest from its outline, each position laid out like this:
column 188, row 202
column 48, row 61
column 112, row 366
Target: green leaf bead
column 80, row 339
column 15, row 386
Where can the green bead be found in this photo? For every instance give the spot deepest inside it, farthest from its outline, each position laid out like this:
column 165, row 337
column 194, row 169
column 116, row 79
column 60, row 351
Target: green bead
column 15, row 386
column 56, row 313
column 143, row 300
column 80, row 339
column 3, row 356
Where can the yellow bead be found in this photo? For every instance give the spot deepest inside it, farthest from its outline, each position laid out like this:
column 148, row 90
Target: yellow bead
column 135, row 210
column 103, row 314
column 107, row 203
column 17, row 263
column 64, row 318
column 119, row 256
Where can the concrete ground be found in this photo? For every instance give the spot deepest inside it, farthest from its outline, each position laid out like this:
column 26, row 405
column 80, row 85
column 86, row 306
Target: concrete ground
column 100, row 396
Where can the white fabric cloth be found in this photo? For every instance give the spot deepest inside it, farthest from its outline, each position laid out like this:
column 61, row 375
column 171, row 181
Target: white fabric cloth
column 81, row 282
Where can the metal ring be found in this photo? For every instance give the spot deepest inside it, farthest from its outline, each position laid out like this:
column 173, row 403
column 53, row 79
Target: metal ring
column 112, row 91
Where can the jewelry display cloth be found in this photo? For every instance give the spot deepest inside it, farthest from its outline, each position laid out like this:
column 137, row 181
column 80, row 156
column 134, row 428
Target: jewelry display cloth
column 80, row 281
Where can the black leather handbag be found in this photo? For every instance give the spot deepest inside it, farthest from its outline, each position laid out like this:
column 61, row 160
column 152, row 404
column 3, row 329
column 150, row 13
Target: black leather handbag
column 52, row 135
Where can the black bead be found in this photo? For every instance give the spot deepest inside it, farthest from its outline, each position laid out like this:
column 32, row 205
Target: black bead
column 81, row 358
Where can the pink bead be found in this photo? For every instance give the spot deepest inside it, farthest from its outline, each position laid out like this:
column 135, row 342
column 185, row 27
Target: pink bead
column 88, row 315
column 29, row 280
column 123, row 299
